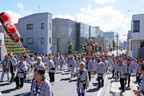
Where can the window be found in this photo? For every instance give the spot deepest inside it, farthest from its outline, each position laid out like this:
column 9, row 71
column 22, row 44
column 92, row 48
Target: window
column 42, row 25
column 136, row 26
column 42, row 40
column 21, row 39
column 49, row 40
column 50, row 26
column 131, row 45
column 29, row 40
column 29, row 26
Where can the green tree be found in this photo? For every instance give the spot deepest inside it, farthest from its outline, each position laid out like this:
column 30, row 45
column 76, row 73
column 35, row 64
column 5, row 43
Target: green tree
column 70, row 48
column 96, row 46
column 100, row 48
column 114, row 44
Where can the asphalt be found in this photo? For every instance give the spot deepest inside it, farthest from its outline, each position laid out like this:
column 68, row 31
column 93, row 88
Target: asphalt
column 62, row 87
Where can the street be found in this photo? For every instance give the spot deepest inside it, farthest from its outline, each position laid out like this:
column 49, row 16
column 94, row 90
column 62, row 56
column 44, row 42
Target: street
column 62, row 87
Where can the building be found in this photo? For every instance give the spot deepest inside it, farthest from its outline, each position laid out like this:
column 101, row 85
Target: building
column 137, row 36
column 84, row 33
column 40, row 34
column 129, row 47
column 2, row 47
column 110, row 35
column 36, row 32
column 64, row 32
column 105, row 42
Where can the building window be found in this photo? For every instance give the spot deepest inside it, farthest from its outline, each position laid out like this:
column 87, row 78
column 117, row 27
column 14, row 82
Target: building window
column 131, row 45
column 42, row 40
column 50, row 26
column 29, row 40
column 136, row 25
column 29, row 26
column 42, row 25
column 49, row 40
column 21, row 39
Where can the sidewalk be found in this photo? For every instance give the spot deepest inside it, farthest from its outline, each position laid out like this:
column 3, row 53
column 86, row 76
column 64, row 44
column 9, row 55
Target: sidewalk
column 115, row 84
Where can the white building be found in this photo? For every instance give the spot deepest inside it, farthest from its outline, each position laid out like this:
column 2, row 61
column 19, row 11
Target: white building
column 36, row 32
column 129, row 47
column 2, row 47
column 137, row 28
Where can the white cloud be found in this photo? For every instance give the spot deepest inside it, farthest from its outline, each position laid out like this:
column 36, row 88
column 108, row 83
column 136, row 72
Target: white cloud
column 103, row 1
column 20, row 5
column 14, row 16
column 22, row 10
column 66, row 16
column 107, row 18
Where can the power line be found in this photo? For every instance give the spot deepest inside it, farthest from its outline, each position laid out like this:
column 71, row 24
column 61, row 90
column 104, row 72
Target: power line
column 3, row 3
column 125, row 16
column 7, row 5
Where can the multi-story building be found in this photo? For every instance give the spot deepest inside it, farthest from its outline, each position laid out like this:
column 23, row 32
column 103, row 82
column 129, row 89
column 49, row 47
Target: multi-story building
column 105, row 42
column 110, row 35
column 129, row 37
column 36, row 32
column 64, row 32
column 85, row 32
column 137, row 36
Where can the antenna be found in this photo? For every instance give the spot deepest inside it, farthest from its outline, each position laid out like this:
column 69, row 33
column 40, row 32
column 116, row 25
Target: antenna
column 39, row 8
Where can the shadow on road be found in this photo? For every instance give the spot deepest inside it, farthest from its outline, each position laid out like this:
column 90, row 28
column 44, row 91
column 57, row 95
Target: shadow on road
column 93, row 90
column 28, row 94
column 3, row 84
column 94, row 84
column 65, row 73
column 64, row 79
column 8, row 90
column 116, row 94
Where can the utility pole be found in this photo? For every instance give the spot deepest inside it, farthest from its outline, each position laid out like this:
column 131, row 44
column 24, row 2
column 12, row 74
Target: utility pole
column 117, row 36
column 39, row 8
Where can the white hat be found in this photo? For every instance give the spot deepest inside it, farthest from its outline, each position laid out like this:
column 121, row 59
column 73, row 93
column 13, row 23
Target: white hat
column 39, row 57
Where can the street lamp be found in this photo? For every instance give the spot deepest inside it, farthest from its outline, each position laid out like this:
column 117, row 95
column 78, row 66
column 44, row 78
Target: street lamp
column 117, row 36
column 58, row 37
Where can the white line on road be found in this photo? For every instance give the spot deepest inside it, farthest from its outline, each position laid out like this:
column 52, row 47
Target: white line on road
column 101, row 90
column 133, row 83
column 0, row 94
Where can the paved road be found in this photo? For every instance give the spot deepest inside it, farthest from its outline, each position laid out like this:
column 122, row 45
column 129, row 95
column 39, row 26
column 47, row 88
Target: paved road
column 62, row 87
column 115, row 52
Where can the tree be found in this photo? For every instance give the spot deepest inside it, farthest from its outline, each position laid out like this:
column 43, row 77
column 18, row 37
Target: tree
column 100, row 48
column 96, row 46
column 114, row 44
column 70, row 48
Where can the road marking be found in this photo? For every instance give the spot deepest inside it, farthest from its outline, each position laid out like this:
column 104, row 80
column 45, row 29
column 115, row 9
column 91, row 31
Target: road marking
column 0, row 94
column 100, row 91
column 133, row 83
column 133, row 86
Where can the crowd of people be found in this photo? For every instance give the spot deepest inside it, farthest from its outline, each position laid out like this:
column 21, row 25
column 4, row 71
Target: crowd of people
column 80, row 66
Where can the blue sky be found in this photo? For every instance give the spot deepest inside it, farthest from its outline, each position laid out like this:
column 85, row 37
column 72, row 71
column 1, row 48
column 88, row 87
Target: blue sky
column 108, row 14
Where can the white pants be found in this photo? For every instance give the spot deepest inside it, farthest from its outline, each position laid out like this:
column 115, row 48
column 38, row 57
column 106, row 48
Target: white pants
column 2, row 76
